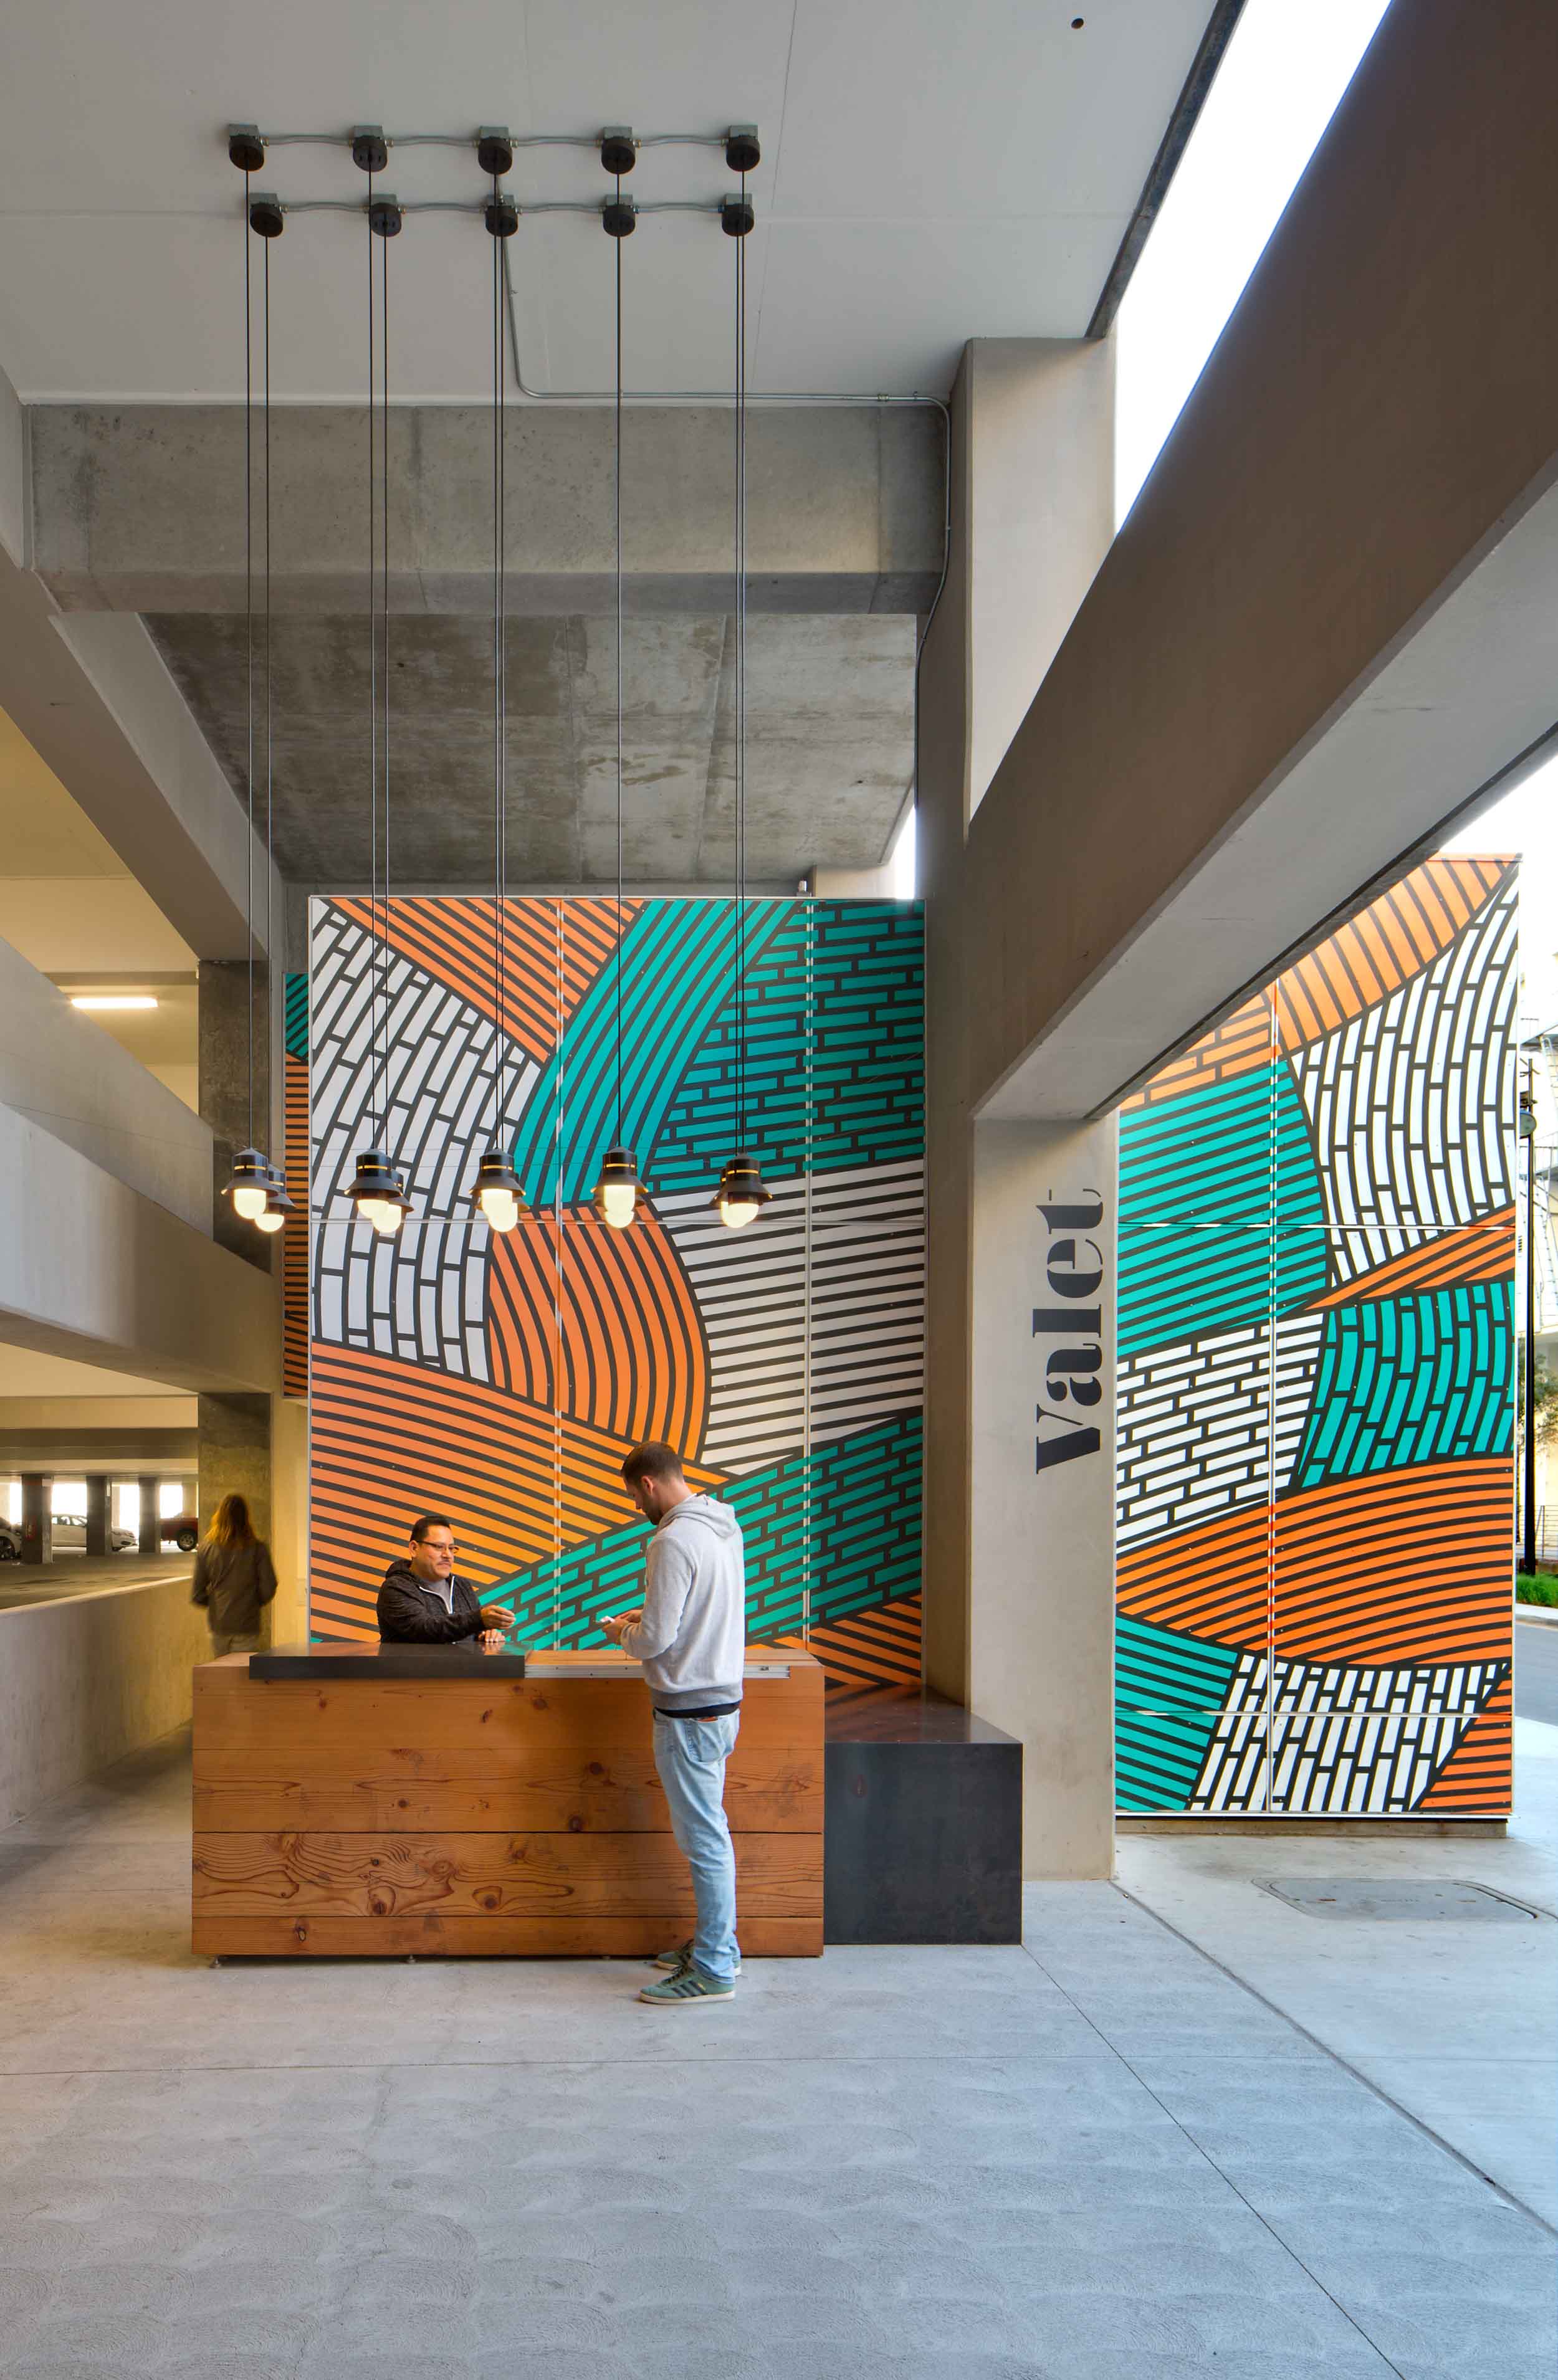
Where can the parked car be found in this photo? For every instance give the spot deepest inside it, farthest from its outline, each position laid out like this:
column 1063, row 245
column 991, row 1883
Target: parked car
column 71, row 1536
column 11, row 1541
column 183, row 1528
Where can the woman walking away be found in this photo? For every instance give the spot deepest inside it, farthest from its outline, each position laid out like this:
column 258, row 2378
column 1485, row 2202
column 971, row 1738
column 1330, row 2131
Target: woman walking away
column 235, row 1578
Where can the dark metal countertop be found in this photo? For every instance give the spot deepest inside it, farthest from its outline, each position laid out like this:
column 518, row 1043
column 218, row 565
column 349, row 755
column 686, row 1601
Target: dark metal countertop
column 338, row 1663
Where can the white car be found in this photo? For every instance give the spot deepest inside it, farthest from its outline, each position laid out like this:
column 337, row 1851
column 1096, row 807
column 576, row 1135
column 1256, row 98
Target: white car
column 69, row 1535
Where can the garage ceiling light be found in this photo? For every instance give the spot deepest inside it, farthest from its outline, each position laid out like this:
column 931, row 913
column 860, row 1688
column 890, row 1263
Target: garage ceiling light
column 112, row 999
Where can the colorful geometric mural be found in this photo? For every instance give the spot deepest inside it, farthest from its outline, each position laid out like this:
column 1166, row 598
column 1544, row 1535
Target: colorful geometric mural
column 501, row 1377
column 1314, row 1432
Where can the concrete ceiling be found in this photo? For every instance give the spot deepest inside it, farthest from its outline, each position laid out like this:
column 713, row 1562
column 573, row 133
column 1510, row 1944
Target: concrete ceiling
column 929, row 175
column 830, row 742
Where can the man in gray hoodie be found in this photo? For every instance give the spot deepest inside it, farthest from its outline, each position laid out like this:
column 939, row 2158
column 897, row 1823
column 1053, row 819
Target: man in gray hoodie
column 691, row 1635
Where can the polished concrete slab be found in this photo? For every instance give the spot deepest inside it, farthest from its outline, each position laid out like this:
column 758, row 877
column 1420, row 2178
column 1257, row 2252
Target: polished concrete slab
column 1451, row 2017
column 1096, row 2155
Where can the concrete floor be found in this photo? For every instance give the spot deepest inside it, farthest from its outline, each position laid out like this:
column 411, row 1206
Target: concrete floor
column 1535, row 1670
column 1098, row 2156
column 1453, row 2020
column 25, row 1583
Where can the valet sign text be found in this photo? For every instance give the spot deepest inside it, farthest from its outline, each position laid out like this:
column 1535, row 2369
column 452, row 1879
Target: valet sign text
column 1069, row 1332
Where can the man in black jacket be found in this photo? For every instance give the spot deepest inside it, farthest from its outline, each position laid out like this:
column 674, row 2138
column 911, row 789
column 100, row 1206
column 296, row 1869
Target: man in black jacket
column 422, row 1601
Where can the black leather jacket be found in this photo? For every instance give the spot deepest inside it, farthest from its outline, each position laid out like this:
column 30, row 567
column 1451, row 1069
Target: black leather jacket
column 410, row 1614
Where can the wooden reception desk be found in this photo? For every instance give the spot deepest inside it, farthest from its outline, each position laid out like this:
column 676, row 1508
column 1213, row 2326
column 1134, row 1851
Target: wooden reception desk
column 430, row 1799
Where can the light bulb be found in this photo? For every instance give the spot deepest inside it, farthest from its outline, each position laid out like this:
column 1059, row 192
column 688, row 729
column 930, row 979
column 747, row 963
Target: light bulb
column 248, row 1200
column 500, row 1207
column 618, row 1200
column 268, row 1221
column 736, row 1213
column 387, row 1220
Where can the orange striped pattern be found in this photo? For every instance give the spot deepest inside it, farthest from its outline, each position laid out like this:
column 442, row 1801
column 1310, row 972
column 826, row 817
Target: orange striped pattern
column 1475, row 1252
column 1480, row 1774
column 1407, row 1566
column 391, row 1439
column 1379, row 949
column 294, row 1231
column 1237, row 1045
column 553, row 951
column 612, row 1314
column 870, row 1649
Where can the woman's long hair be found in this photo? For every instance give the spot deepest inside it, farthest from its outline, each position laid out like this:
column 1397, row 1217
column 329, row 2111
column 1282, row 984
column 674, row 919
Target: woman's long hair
column 232, row 1525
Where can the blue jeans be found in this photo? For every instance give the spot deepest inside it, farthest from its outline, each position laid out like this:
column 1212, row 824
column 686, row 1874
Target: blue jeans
column 690, row 1755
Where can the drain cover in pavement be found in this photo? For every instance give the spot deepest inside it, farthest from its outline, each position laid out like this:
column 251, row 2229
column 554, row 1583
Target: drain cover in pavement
column 1409, row 1897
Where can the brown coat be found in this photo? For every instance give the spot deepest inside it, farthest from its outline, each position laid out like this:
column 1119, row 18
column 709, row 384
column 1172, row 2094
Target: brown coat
column 234, row 1582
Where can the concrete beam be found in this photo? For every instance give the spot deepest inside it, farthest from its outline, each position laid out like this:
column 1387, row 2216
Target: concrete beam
column 139, row 508
column 1327, row 621
column 95, row 1271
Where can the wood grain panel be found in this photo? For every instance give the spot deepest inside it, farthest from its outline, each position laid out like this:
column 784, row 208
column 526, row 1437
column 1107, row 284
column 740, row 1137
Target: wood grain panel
column 500, row 1937
column 614, row 1791
column 495, row 1874
column 466, row 1816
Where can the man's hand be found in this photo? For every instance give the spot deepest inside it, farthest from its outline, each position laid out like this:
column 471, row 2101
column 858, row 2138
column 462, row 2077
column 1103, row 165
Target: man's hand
column 613, row 1623
column 492, row 1638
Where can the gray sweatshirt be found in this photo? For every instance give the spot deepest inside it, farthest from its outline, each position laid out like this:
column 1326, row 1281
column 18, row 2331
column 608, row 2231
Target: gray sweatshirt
column 692, row 1638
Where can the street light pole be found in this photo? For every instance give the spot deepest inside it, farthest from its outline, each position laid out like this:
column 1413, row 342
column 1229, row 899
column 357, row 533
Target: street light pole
column 1529, row 1135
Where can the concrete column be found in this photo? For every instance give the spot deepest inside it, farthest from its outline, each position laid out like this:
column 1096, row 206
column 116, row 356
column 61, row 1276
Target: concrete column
column 224, row 1086
column 1019, row 1579
column 234, row 1437
column 1041, row 1493
column 97, row 1513
column 148, row 1540
column 37, row 1516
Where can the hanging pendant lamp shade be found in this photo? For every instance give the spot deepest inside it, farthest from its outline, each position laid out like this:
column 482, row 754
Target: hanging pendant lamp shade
column 278, row 1205
column 742, row 1194
column 497, row 1191
column 378, row 1192
column 249, row 1186
column 618, row 1191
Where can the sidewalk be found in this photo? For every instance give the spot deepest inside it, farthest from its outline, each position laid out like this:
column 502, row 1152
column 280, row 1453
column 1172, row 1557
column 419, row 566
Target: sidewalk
column 1453, row 2020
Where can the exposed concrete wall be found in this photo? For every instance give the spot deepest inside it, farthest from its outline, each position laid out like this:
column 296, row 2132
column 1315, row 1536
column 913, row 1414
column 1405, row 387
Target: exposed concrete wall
column 139, row 508
column 61, row 1070
column 95, row 699
column 1329, row 616
column 102, row 1274
column 15, row 490
column 234, row 1457
column 234, row 1119
column 1041, row 493
column 89, row 1679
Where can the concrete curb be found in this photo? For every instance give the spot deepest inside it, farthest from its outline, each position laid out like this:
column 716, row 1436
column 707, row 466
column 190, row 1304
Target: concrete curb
column 1536, row 1615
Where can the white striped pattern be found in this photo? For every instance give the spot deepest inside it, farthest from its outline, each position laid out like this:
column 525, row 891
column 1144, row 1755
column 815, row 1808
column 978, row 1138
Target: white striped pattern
column 1410, row 1101
column 1341, row 1740
column 1210, row 1425
column 866, row 1352
column 420, row 1296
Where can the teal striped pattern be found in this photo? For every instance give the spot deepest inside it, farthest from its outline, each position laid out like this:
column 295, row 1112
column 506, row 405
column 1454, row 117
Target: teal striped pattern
column 856, row 1499
column 1234, row 1155
column 1178, row 1283
column 676, row 972
column 296, row 1016
column 1201, row 1183
column 1411, row 1379
column 852, row 1096
column 1169, row 1693
column 699, row 1128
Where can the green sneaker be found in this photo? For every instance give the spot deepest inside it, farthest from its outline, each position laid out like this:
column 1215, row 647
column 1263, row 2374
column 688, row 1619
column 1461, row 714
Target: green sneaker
column 686, row 1988
column 681, row 1956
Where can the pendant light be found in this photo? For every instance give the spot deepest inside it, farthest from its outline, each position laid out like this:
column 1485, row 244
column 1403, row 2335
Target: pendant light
column 742, row 1194
column 248, row 1182
column 278, row 1205
column 496, row 1190
column 618, row 1189
column 376, row 1188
